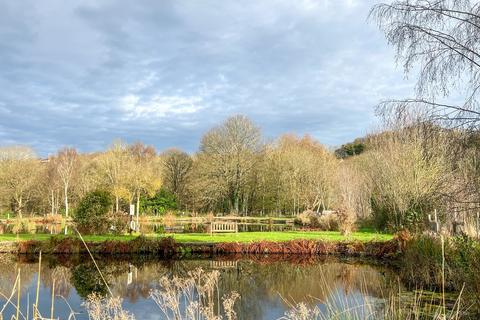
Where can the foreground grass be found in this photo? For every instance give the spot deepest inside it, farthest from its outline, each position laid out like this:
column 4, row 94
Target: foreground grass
column 243, row 237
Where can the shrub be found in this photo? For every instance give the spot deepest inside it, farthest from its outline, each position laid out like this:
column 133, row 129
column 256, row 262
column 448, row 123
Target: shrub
column 24, row 226
column 309, row 218
column 169, row 219
column 160, row 203
column 91, row 216
column 346, row 221
column 119, row 222
column 421, row 264
column 328, row 222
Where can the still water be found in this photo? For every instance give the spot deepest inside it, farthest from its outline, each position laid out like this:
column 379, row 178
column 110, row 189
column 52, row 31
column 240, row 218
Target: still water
column 268, row 285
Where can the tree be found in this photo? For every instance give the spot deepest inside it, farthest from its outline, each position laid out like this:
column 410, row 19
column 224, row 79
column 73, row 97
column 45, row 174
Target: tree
column 161, row 202
column 66, row 163
column 176, row 172
column 144, row 176
column 91, row 215
column 442, row 39
column 113, row 165
column 226, row 161
column 409, row 173
column 351, row 149
column 19, row 173
column 306, row 172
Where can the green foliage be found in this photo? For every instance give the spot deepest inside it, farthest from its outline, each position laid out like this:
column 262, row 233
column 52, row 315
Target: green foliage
column 351, row 149
column 160, row 203
column 386, row 218
column 91, row 216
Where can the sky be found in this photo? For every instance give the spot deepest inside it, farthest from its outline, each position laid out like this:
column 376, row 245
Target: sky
column 84, row 73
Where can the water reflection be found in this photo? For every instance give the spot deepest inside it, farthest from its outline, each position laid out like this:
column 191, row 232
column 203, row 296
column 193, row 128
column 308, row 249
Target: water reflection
column 268, row 285
column 145, row 227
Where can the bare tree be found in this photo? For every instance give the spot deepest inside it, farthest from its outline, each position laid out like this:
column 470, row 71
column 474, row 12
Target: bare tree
column 52, row 183
column 143, row 172
column 113, row 165
column 442, row 39
column 19, row 172
column 66, row 164
column 176, row 169
column 228, row 155
column 305, row 172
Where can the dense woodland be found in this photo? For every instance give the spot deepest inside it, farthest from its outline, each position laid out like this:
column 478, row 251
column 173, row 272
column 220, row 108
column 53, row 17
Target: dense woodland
column 401, row 176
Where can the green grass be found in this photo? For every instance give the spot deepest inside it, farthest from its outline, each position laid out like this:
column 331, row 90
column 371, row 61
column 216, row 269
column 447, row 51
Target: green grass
column 333, row 236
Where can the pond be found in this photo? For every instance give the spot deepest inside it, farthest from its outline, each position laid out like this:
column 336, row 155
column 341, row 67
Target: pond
column 268, row 286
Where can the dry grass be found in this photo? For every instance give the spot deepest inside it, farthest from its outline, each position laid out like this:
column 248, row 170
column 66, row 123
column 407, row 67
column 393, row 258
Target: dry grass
column 101, row 308
column 192, row 297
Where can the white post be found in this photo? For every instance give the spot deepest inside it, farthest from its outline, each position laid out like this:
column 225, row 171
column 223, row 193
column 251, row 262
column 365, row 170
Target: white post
column 132, row 213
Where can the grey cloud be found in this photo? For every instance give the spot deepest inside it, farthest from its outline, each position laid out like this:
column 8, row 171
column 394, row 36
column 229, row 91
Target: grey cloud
column 83, row 73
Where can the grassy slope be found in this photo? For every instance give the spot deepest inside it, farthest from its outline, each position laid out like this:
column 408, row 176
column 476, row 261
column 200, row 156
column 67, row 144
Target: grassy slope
column 229, row 237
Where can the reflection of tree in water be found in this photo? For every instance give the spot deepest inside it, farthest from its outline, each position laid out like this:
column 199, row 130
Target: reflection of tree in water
column 62, row 276
column 317, row 282
column 144, row 278
column 300, row 283
column 261, row 282
column 86, row 280
column 9, row 266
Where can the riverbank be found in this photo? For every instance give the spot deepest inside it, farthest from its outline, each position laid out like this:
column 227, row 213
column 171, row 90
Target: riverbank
column 358, row 244
column 242, row 237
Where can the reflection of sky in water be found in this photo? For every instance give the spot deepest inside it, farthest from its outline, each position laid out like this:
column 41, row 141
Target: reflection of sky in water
column 266, row 289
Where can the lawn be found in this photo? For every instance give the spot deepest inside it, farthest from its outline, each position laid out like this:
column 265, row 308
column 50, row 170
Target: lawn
column 229, row 237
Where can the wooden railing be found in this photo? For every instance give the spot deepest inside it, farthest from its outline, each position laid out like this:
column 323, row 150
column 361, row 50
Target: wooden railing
column 223, row 227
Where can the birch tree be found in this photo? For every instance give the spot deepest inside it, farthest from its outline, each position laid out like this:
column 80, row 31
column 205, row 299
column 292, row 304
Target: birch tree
column 66, row 164
column 144, row 175
column 440, row 39
column 113, row 165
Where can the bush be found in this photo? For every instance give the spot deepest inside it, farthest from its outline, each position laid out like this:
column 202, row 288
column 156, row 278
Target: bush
column 91, row 216
column 309, row 218
column 346, row 221
column 421, row 264
column 24, row 226
column 160, row 203
column 119, row 222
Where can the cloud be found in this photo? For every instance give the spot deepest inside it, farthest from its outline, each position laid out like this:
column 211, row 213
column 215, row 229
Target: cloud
column 158, row 106
column 163, row 72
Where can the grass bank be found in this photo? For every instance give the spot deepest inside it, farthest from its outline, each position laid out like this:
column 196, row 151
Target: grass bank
column 241, row 237
column 357, row 244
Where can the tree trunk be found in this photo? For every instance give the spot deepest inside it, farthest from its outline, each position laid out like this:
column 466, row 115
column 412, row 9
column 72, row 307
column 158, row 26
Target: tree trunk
column 66, row 199
column 53, row 203
column 138, row 203
column 116, row 203
column 20, row 207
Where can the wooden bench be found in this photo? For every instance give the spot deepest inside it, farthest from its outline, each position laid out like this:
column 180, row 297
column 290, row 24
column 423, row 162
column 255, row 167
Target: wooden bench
column 223, row 227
